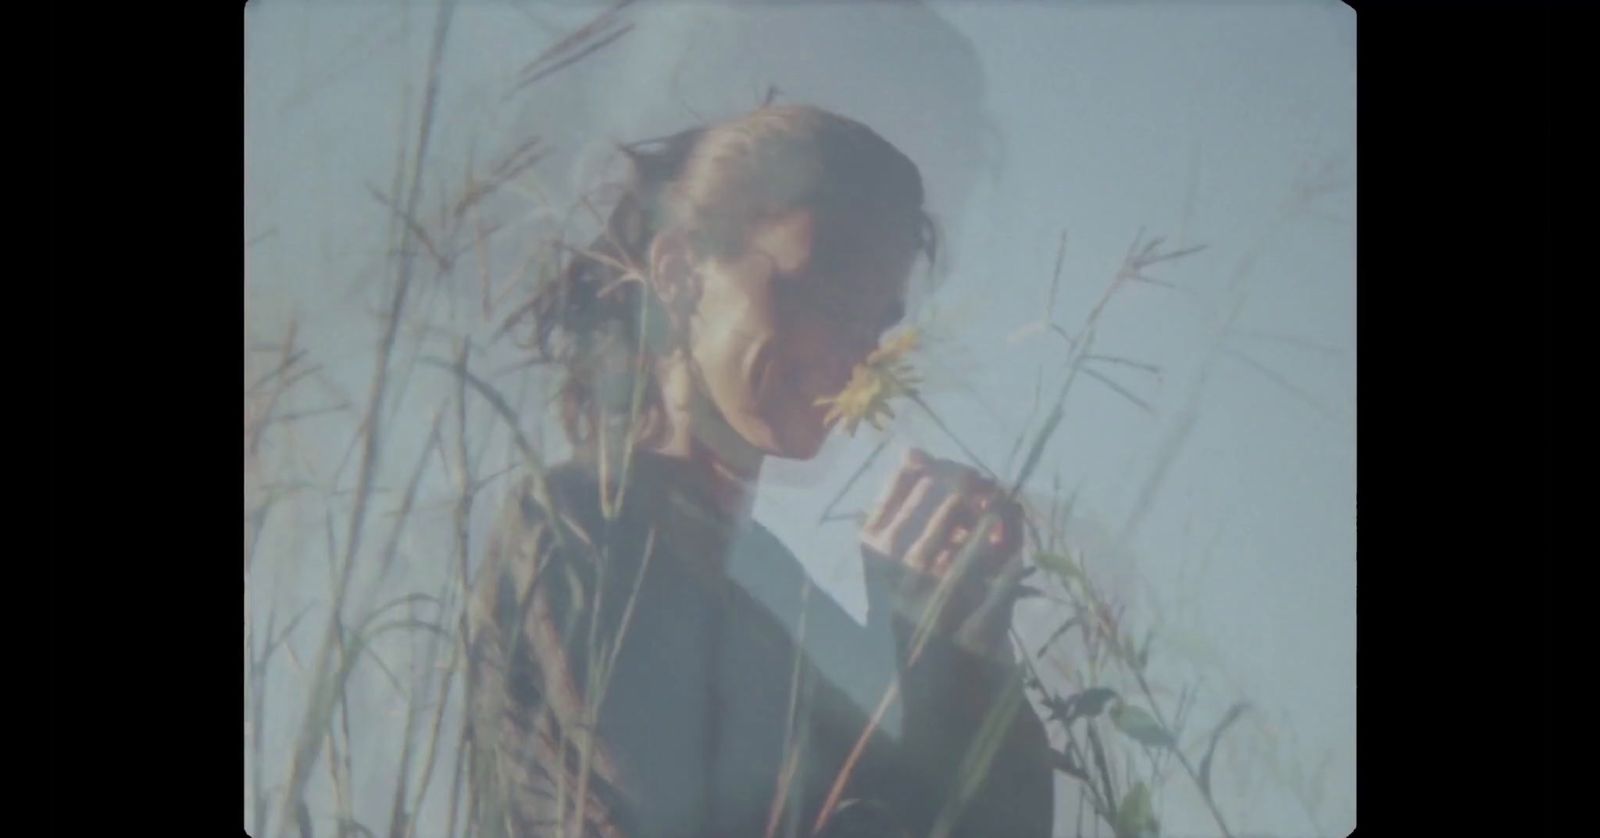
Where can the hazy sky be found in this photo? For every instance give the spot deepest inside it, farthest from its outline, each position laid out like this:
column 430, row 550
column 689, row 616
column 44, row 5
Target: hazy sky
column 1186, row 120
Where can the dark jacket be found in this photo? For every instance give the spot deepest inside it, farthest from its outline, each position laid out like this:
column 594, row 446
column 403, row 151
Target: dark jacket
column 672, row 638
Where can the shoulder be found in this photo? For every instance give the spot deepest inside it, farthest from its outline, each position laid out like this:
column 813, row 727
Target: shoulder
column 539, row 560
column 560, row 514
column 566, row 495
column 552, row 509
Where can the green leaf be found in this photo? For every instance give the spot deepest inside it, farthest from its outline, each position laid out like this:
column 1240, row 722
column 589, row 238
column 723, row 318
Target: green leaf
column 1140, row 726
column 1058, row 709
column 1060, row 564
column 1091, row 701
column 1088, row 703
column 1136, row 818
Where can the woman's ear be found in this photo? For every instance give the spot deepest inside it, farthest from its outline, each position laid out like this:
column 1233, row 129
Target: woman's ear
column 672, row 274
column 673, row 284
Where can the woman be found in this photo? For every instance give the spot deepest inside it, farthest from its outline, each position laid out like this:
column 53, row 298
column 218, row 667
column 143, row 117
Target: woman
column 647, row 660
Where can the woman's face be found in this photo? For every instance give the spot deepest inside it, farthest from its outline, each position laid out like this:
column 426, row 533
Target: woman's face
column 784, row 324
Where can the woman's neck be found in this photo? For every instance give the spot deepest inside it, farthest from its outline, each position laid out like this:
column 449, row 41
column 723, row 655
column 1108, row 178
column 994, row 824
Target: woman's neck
column 700, row 441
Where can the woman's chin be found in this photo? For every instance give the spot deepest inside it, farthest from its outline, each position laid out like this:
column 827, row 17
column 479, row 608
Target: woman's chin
column 799, row 442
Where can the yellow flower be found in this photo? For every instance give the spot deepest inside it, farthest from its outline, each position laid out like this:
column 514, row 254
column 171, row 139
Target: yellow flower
column 894, row 350
column 883, row 376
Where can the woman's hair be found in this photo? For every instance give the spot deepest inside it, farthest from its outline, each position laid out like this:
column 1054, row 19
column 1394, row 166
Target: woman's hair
column 713, row 184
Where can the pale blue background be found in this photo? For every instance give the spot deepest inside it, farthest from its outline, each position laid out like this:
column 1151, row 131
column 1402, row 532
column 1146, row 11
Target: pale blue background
column 1188, row 120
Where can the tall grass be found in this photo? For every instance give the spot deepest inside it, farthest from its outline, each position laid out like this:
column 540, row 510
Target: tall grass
column 1123, row 736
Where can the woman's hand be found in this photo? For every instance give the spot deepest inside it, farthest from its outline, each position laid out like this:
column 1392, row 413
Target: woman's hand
column 928, row 514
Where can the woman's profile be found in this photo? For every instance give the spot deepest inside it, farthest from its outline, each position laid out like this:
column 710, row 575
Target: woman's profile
column 621, row 684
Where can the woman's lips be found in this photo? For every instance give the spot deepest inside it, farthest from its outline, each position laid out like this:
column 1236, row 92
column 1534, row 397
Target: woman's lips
column 807, row 379
column 821, row 386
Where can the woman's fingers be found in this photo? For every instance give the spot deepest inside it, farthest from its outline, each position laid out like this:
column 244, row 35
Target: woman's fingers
column 957, row 540
column 1008, row 537
column 938, row 535
column 931, row 509
column 926, row 521
column 912, row 517
column 948, row 480
column 894, row 496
